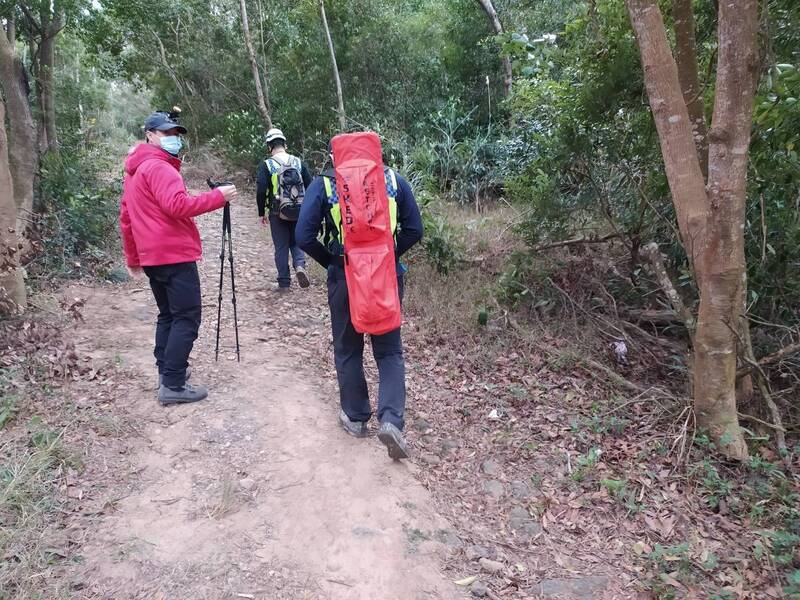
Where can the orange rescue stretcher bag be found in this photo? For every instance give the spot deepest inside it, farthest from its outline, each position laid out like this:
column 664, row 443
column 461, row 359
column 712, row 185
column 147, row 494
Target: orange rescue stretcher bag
column 367, row 231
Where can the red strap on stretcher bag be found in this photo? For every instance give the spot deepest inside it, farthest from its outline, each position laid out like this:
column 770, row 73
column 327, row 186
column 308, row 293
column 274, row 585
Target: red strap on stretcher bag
column 370, row 267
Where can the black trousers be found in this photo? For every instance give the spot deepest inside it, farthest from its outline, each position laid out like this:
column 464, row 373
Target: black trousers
column 176, row 289
column 348, row 353
column 284, row 242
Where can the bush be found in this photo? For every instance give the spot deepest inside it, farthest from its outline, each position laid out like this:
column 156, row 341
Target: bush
column 78, row 214
column 242, row 139
column 442, row 244
column 461, row 161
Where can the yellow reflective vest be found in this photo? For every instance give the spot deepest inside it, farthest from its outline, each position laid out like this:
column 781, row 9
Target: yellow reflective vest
column 336, row 211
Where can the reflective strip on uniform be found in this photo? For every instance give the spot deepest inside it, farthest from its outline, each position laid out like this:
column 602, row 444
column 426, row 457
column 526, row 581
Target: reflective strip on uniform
column 274, row 177
column 393, row 201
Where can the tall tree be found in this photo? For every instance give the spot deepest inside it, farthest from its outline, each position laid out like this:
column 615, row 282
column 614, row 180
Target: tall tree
column 251, row 54
column 711, row 222
column 688, row 74
column 23, row 156
column 12, row 284
column 336, row 78
column 491, row 13
column 44, row 29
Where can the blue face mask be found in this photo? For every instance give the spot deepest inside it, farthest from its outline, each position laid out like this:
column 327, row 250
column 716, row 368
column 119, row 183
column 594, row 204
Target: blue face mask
column 171, row 143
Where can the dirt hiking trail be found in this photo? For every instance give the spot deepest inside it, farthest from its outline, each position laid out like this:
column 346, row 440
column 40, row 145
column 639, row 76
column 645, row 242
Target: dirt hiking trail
column 255, row 492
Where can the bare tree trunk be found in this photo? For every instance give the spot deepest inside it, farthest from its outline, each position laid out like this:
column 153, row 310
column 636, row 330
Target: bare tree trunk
column 711, row 224
column 12, row 284
column 43, row 58
column 688, row 73
column 508, row 77
column 686, row 59
column 47, row 65
column 22, row 154
column 336, row 78
column 251, row 54
column 725, row 280
column 671, row 115
column 36, row 109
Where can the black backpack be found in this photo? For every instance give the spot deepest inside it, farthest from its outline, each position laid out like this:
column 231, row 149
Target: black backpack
column 287, row 186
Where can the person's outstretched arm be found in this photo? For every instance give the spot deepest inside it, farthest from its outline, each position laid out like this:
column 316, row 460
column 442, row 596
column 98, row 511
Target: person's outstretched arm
column 170, row 192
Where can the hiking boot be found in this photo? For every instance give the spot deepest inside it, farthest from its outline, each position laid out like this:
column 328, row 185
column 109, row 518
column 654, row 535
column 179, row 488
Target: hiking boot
column 392, row 438
column 161, row 377
column 188, row 393
column 302, row 277
column 355, row 428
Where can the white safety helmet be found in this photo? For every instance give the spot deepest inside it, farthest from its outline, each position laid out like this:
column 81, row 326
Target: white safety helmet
column 275, row 134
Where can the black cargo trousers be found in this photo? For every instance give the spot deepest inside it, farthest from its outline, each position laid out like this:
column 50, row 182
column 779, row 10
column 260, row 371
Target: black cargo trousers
column 176, row 289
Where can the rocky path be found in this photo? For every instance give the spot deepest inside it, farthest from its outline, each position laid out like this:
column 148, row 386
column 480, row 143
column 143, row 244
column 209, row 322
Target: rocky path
column 255, row 493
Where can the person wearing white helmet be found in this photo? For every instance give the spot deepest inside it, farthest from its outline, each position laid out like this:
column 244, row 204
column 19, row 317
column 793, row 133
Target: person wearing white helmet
column 280, row 188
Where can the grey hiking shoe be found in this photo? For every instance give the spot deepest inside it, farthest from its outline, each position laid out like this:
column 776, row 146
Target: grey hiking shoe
column 161, row 377
column 355, row 428
column 302, row 277
column 188, row 393
column 392, row 438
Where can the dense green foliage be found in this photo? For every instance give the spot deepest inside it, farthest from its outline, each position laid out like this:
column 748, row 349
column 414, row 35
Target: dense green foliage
column 595, row 165
column 78, row 191
column 393, row 76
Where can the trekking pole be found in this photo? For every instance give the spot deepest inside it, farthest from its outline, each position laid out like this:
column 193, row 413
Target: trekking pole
column 226, row 218
column 221, row 273
column 226, row 238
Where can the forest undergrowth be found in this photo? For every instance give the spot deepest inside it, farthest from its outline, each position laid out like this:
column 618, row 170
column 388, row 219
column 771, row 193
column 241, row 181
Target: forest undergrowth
column 584, row 418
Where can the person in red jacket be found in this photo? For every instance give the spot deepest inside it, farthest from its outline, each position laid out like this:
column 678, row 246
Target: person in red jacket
column 160, row 240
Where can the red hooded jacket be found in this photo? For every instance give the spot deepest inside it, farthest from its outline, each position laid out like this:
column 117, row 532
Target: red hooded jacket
column 156, row 211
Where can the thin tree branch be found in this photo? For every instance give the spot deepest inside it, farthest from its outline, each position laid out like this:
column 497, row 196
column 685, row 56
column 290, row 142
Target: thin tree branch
column 32, row 22
column 763, row 387
column 784, row 352
column 584, row 239
column 652, row 252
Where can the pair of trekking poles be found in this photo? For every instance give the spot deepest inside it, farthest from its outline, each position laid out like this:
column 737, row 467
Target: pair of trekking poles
column 226, row 241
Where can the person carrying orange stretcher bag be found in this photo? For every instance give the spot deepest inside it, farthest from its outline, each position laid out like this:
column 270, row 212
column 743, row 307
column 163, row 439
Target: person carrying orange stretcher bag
column 369, row 219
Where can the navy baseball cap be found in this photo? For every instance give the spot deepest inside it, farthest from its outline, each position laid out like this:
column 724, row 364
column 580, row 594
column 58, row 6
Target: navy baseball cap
column 160, row 121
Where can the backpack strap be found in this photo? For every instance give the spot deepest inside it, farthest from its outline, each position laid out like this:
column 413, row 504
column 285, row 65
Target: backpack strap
column 274, row 168
column 333, row 216
column 391, row 192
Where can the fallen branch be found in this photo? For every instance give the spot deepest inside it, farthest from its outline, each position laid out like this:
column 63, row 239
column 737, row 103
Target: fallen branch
column 768, row 360
column 657, row 317
column 653, row 254
column 590, row 239
column 747, row 417
column 610, row 373
column 637, row 400
column 763, row 387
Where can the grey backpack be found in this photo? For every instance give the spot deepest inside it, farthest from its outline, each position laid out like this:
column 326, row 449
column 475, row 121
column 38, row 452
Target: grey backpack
column 287, row 186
